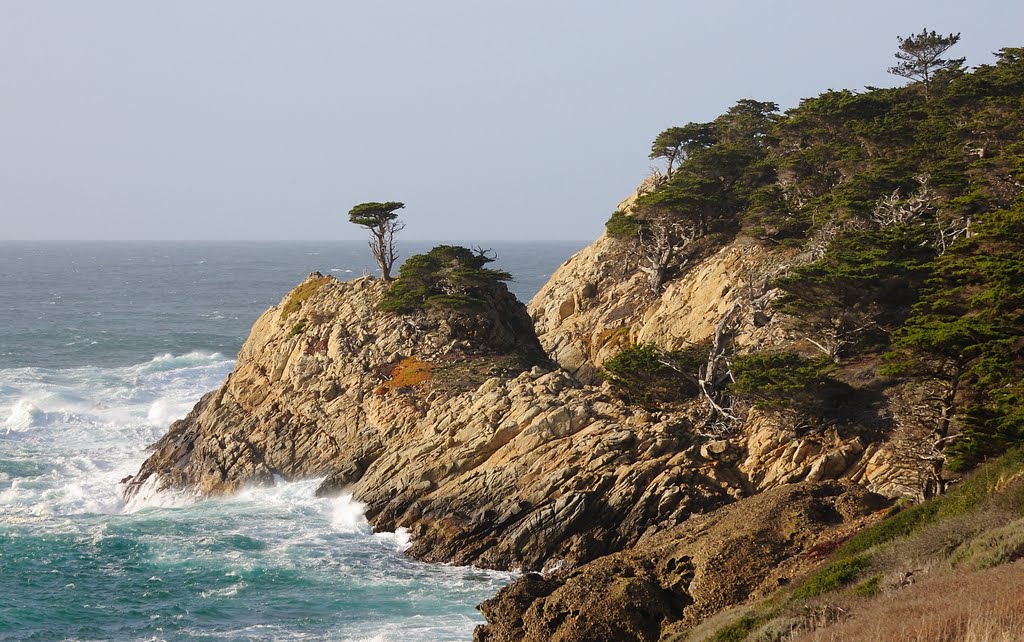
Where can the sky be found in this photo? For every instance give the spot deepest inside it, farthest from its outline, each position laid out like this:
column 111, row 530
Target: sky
column 525, row 120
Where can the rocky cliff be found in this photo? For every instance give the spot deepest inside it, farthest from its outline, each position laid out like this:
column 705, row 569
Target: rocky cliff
column 455, row 425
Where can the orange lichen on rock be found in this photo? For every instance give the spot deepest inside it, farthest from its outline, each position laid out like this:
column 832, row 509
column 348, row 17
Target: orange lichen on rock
column 406, row 373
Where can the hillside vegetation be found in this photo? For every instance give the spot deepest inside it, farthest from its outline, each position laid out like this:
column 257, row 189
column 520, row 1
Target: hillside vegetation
column 943, row 570
column 902, row 213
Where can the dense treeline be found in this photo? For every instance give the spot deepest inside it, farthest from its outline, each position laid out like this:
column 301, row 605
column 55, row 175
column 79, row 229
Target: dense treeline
column 907, row 206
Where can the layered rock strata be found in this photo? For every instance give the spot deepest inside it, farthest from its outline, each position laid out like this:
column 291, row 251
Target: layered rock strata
column 455, row 425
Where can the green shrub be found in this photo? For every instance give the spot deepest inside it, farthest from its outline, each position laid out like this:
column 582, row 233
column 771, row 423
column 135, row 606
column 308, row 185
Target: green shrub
column 737, row 631
column 785, row 379
column 869, row 587
column 992, row 548
column 834, row 576
column 901, row 524
column 646, row 375
column 299, row 327
column 448, row 276
column 623, row 226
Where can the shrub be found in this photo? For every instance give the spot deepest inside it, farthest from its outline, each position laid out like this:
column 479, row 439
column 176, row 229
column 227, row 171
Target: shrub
column 623, row 226
column 901, row 524
column 299, row 327
column 647, row 375
column 869, row 587
column 992, row 548
column 785, row 379
column 737, row 631
column 448, row 276
column 834, row 576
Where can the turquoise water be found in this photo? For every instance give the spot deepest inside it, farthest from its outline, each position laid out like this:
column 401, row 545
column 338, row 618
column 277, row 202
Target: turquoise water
column 82, row 395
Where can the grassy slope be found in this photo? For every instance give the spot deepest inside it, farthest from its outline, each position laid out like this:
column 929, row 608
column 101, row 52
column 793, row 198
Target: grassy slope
column 941, row 570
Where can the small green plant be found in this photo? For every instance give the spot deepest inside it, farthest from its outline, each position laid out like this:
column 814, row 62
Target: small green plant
column 834, row 576
column 623, row 226
column 647, row 375
column 993, row 548
column 869, row 587
column 787, row 380
column 299, row 327
column 903, row 523
column 737, row 631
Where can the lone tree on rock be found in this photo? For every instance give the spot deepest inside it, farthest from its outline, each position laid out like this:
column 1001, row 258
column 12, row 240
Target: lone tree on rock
column 919, row 56
column 383, row 223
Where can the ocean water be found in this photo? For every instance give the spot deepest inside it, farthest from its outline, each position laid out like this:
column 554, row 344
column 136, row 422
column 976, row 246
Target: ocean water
column 102, row 346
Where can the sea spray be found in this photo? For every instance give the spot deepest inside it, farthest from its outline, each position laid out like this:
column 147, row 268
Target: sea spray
column 81, row 396
column 268, row 563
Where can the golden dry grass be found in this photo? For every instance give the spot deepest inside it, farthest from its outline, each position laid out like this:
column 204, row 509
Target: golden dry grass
column 302, row 293
column 983, row 606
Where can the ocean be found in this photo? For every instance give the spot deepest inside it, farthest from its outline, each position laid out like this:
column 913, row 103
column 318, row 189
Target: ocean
column 102, row 346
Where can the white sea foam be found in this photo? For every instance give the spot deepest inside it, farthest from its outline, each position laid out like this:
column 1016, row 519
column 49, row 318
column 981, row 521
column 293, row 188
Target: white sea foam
column 21, row 416
column 149, row 495
column 347, row 515
column 83, row 429
column 76, row 433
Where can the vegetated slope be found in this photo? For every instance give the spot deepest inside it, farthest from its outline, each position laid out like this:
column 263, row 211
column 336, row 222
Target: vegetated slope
column 862, row 249
column 847, row 272
column 944, row 570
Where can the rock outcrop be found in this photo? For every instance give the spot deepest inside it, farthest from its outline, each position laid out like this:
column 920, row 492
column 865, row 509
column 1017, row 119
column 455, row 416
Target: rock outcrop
column 675, row 578
column 487, row 433
column 450, row 424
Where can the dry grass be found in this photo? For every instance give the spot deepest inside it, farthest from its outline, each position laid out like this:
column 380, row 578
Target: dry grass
column 984, row 606
column 991, row 548
column 302, row 293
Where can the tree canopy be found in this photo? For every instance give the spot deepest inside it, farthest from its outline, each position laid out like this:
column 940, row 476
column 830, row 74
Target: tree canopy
column 919, row 56
column 904, row 223
column 448, row 276
column 383, row 223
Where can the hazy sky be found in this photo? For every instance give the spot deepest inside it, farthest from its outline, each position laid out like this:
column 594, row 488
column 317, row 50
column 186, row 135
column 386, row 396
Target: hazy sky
column 252, row 119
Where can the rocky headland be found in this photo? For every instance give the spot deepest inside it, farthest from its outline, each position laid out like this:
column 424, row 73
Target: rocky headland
column 458, row 426
column 813, row 315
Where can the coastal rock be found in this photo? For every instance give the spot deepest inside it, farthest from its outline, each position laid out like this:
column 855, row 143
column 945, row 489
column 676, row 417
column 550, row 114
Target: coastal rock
column 451, row 424
column 499, row 446
column 675, row 578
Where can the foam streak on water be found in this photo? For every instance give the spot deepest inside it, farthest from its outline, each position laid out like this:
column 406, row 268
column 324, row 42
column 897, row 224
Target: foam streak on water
column 268, row 564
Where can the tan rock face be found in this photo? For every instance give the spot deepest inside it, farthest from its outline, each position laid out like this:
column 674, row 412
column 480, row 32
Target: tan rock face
column 457, row 426
column 594, row 305
column 490, row 458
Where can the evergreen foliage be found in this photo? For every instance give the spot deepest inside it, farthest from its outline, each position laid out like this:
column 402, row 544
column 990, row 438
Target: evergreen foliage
column 785, row 379
column 649, row 376
column 906, row 215
column 968, row 333
column 448, row 276
column 623, row 226
column 382, row 222
column 919, row 59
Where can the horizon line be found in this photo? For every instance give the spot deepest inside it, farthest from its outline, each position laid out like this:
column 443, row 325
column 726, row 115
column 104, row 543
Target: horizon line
column 474, row 240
